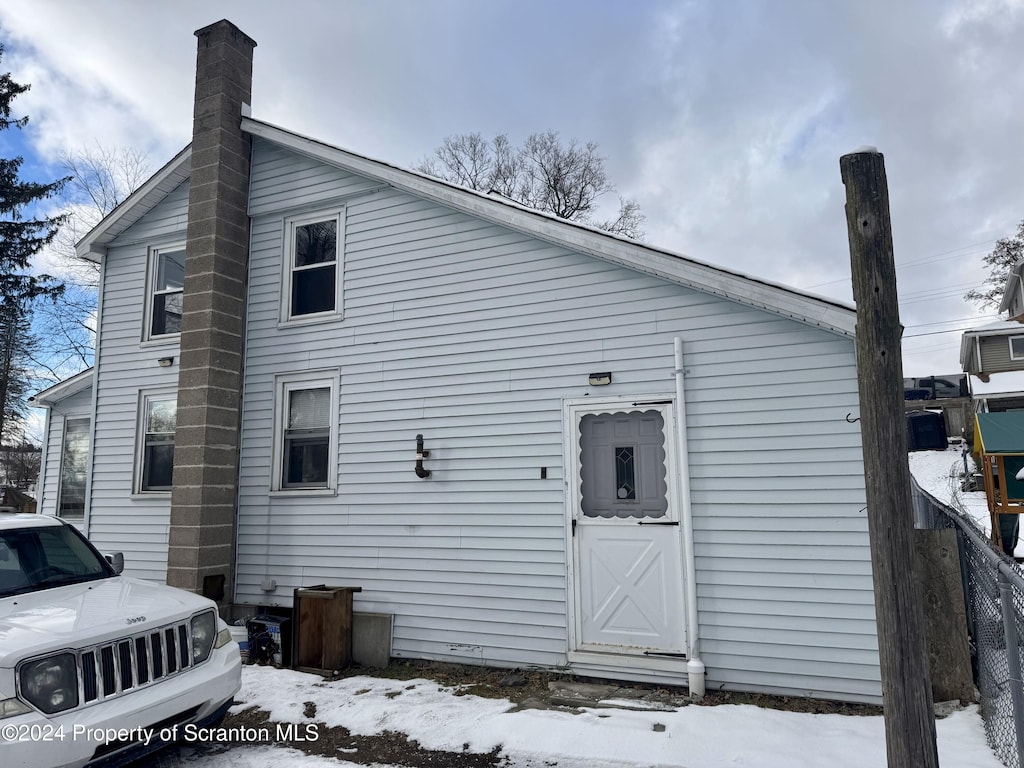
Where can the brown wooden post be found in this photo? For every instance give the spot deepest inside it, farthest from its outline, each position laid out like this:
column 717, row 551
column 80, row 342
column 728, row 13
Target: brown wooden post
column 906, row 689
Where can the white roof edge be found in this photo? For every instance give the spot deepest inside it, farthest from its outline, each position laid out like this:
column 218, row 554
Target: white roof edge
column 999, row 331
column 1013, row 277
column 63, row 389
column 830, row 314
column 965, row 353
column 133, row 207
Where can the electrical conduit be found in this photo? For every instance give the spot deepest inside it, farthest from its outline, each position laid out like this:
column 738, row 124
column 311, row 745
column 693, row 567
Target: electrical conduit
column 694, row 666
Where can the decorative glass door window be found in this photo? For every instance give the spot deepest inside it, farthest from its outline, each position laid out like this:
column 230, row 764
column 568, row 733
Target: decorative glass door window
column 625, row 480
column 168, row 284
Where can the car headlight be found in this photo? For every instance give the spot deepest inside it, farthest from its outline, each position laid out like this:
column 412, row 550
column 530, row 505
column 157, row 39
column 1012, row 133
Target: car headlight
column 51, row 684
column 204, row 633
column 223, row 638
column 12, row 707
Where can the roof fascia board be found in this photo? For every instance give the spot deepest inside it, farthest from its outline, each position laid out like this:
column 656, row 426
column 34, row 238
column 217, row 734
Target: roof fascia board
column 996, row 332
column 681, row 270
column 94, row 245
column 62, row 389
column 1014, row 282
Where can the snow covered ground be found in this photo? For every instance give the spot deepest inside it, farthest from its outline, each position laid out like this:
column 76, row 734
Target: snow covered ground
column 940, row 474
column 693, row 736
column 723, row 736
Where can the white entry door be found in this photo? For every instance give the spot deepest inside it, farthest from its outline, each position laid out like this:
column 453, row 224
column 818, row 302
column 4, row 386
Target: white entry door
column 627, row 541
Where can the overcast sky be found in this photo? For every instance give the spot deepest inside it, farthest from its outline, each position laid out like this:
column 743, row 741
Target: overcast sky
column 724, row 119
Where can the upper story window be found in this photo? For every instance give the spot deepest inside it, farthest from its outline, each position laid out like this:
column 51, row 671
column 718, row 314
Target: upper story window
column 158, row 419
column 167, row 281
column 313, row 267
column 1017, row 347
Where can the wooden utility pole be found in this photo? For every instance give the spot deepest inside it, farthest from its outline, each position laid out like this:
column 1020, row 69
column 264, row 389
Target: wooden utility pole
column 906, row 688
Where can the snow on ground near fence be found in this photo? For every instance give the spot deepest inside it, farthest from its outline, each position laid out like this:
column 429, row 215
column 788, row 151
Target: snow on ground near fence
column 940, row 474
column 693, row 737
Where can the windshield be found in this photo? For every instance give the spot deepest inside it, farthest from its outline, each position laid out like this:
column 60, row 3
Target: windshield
column 38, row 558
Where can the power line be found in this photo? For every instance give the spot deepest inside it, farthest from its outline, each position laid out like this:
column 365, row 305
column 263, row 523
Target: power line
column 957, row 320
column 943, row 256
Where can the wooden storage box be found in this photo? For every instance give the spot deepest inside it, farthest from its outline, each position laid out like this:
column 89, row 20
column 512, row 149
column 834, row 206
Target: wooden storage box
column 322, row 622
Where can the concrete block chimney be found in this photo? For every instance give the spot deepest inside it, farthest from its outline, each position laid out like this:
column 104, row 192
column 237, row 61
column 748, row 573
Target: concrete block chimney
column 201, row 542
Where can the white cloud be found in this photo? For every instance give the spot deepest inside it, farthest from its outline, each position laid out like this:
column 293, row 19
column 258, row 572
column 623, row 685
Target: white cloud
column 725, row 121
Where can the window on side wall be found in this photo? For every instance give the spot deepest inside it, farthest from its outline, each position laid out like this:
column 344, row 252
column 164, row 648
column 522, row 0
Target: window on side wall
column 306, row 433
column 167, row 281
column 157, row 421
column 74, row 466
column 1017, row 347
column 313, row 267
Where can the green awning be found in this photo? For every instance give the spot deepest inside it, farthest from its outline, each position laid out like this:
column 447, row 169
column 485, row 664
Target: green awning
column 999, row 433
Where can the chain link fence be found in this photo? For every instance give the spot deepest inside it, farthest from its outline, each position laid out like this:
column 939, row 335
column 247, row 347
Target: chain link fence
column 994, row 592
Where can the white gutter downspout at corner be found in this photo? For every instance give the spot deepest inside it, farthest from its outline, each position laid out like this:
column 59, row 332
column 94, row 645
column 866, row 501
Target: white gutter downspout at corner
column 694, row 666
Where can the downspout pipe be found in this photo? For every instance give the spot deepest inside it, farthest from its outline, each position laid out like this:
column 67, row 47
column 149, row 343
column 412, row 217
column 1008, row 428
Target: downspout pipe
column 694, row 666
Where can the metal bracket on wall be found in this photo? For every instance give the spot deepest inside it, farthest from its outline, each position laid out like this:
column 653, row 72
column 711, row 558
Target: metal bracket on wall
column 420, row 456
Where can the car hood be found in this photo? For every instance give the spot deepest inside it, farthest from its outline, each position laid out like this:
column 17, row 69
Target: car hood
column 81, row 615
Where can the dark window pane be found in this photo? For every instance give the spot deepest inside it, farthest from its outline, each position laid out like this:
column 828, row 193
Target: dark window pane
column 316, row 243
column 158, row 466
column 166, row 314
column 306, row 461
column 313, row 290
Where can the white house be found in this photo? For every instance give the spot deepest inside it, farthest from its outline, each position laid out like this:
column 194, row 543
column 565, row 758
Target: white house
column 471, row 410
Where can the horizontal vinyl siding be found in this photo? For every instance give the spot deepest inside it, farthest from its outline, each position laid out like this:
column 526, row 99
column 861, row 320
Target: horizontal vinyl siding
column 472, row 335
column 280, row 177
column 995, row 354
column 119, row 521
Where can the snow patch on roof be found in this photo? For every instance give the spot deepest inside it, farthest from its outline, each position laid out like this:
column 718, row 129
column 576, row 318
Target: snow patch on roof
column 1002, row 383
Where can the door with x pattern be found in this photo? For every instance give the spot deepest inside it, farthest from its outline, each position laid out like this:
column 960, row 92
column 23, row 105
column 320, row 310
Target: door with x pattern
column 628, row 550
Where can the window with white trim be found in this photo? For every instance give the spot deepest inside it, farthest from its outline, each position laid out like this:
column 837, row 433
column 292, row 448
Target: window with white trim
column 312, row 280
column 157, row 421
column 305, row 433
column 74, row 465
column 1017, row 347
column 167, row 283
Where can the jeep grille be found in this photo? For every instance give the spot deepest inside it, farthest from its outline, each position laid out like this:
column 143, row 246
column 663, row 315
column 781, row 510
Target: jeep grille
column 111, row 669
column 114, row 668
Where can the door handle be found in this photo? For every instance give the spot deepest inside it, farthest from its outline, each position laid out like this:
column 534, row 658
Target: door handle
column 659, row 522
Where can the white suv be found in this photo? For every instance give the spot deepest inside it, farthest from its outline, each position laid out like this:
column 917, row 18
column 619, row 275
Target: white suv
column 98, row 668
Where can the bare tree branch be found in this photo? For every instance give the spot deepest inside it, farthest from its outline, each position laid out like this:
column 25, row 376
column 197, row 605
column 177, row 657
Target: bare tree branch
column 1007, row 252
column 565, row 179
column 101, row 178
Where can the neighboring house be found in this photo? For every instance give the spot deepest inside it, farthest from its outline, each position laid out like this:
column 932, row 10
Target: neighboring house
column 254, row 420
column 1013, row 292
column 13, row 500
column 993, row 355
